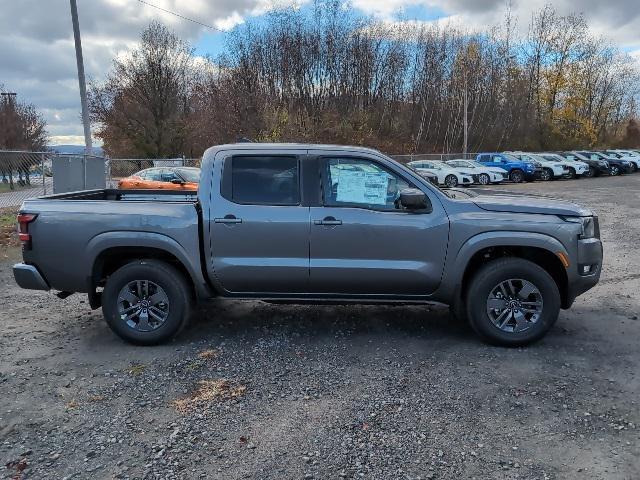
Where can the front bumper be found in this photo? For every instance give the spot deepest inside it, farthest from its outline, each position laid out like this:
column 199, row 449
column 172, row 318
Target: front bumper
column 587, row 273
column 532, row 174
column 28, row 276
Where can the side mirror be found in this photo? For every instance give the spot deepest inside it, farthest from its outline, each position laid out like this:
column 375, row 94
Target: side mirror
column 414, row 199
column 177, row 181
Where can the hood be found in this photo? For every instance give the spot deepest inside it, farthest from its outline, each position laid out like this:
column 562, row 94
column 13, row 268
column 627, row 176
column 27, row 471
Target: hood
column 530, row 204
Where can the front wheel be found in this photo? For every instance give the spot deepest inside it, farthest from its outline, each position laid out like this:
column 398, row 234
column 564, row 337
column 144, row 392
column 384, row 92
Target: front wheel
column 572, row 174
column 615, row 170
column 516, row 176
column 146, row 302
column 512, row 302
column 483, row 179
column 451, row 181
column 546, row 175
column 590, row 173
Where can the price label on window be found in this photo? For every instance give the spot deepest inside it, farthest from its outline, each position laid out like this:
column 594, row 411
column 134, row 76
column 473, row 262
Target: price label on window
column 362, row 187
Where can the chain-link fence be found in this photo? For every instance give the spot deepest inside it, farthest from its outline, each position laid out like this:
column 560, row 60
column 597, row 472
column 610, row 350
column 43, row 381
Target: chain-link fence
column 119, row 168
column 433, row 157
column 24, row 175
column 29, row 174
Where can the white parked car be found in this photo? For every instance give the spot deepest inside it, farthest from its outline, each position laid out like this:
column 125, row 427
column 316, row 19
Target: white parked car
column 479, row 173
column 446, row 175
column 632, row 157
column 576, row 167
column 550, row 170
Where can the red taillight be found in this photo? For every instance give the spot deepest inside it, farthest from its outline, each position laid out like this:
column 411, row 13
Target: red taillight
column 24, row 219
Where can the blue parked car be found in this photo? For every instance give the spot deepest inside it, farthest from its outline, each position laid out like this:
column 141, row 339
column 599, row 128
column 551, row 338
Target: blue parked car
column 517, row 169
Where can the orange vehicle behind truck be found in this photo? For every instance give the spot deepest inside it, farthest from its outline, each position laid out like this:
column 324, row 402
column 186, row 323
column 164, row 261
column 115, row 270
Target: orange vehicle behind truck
column 162, row 178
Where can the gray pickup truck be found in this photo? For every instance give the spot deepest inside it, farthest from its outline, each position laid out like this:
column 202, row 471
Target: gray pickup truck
column 311, row 224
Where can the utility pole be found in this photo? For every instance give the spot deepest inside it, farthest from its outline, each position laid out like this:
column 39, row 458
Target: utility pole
column 466, row 121
column 81, row 81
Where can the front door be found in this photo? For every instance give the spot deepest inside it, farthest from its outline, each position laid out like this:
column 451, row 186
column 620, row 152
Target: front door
column 363, row 243
column 259, row 228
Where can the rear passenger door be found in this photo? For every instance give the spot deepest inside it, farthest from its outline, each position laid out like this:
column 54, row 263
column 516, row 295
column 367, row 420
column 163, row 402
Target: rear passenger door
column 259, row 228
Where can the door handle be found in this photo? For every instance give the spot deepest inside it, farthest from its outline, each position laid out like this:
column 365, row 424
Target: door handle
column 327, row 221
column 228, row 219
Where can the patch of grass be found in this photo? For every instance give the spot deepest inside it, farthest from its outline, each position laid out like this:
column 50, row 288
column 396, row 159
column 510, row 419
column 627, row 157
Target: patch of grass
column 209, row 354
column 136, row 369
column 208, row 391
column 194, row 365
column 8, row 235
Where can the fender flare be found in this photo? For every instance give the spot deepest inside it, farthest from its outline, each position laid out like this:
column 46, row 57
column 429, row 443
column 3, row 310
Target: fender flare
column 104, row 241
column 501, row 238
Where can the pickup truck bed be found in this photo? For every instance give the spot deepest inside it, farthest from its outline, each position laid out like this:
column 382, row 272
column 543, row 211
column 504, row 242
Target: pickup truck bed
column 75, row 233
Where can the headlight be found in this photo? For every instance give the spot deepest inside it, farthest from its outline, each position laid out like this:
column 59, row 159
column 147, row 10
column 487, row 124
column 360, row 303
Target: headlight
column 590, row 226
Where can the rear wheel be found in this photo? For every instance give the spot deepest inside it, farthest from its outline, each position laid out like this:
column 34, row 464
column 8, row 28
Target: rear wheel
column 512, row 302
column 483, row 179
column 546, row 175
column 146, row 302
column 451, row 181
column 516, row 176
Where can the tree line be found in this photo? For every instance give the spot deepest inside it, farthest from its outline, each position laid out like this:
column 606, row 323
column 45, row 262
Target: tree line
column 328, row 75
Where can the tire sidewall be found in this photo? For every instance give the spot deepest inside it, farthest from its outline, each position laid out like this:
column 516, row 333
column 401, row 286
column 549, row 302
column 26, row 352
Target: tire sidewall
column 516, row 176
column 449, row 183
column 490, row 276
column 486, row 177
column 546, row 175
column 164, row 275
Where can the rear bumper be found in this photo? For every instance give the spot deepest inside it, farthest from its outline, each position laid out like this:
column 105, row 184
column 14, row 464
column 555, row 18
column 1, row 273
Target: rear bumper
column 28, row 276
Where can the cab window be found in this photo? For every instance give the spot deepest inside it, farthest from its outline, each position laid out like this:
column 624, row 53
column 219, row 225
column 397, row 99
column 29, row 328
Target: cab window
column 265, row 180
column 361, row 183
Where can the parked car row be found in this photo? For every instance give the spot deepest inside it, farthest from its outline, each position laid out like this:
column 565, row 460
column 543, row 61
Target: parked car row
column 495, row 167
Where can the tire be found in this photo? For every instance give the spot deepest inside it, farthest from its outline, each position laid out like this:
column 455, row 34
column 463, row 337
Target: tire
column 484, row 179
column 516, row 176
column 590, row 173
column 615, row 170
column 546, row 175
column 133, row 277
column 572, row 174
column 532, row 326
column 451, row 181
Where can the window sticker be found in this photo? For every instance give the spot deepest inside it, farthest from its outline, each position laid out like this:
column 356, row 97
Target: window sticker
column 355, row 186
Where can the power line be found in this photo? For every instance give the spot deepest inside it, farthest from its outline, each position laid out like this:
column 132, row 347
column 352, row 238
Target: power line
column 180, row 16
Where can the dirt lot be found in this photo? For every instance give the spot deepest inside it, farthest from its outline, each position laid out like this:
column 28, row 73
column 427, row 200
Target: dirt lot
column 259, row 391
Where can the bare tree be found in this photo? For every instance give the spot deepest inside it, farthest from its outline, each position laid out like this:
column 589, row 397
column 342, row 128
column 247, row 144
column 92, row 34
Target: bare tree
column 141, row 108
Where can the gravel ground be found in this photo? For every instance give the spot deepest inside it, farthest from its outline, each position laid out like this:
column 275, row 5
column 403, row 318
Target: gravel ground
column 260, row 391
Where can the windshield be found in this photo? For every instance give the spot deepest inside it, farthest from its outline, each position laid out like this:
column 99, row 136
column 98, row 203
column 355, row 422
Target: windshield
column 510, row 158
column 189, row 174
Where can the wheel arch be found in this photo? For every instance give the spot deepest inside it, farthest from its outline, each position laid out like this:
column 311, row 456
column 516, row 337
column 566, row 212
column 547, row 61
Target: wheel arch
column 110, row 251
column 541, row 249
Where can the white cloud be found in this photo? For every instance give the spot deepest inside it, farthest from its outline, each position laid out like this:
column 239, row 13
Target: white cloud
column 37, row 57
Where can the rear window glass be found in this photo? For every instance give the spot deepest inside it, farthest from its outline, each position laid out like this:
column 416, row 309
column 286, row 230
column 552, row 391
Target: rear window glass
column 264, row 180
